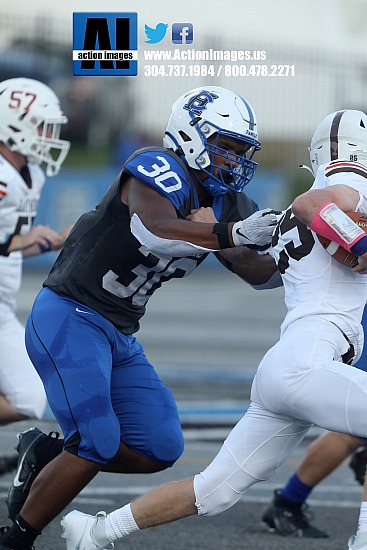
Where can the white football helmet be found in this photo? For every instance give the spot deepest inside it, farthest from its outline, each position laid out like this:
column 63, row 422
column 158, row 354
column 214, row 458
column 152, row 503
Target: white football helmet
column 206, row 111
column 30, row 122
column 340, row 136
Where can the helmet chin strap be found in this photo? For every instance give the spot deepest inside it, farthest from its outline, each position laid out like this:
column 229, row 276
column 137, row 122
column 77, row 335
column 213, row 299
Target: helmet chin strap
column 306, row 168
column 213, row 187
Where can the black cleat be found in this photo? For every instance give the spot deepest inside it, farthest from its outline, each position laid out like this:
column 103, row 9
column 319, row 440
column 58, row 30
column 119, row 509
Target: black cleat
column 289, row 519
column 27, row 470
column 358, row 464
column 7, row 541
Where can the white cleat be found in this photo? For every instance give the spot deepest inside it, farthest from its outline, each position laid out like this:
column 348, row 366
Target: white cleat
column 77, row 531
column 358, row 542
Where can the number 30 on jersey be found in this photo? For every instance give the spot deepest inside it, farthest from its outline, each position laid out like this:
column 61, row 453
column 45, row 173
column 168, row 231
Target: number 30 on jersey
column 162, row 175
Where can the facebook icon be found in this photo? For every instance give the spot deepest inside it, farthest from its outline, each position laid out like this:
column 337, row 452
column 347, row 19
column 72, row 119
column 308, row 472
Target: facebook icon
column 182, row 33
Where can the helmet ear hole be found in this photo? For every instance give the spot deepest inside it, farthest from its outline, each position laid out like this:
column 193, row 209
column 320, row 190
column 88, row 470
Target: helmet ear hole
column 185, row 137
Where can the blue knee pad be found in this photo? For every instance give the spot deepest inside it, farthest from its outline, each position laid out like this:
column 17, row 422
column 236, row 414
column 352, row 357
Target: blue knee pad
column 167, row 444
column 99, row 448
column 149, row 422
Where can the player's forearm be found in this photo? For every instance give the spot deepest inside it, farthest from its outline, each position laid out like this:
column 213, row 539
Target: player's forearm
column 20, row 242
column 306, row 206
column 182, row 246
column 33, row 250
column 256, row 230
column 200, row 234
column 253, row 268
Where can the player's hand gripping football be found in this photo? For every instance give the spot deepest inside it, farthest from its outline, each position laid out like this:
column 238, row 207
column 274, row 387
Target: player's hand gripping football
column 256, row 230
column 361, row 266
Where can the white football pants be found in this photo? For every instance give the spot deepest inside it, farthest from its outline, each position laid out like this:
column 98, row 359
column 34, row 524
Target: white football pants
column 299, row 382
column 19, row 381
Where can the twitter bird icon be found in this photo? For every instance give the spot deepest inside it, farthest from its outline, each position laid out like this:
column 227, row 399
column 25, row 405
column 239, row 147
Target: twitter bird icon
column 155, row 35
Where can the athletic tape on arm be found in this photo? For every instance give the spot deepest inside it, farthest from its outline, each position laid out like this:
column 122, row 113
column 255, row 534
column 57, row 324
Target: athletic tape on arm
column 334, row 224
column 164, row 247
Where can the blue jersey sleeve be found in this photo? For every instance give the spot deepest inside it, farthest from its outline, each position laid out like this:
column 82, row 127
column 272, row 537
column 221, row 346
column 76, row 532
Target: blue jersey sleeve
column 161, row 172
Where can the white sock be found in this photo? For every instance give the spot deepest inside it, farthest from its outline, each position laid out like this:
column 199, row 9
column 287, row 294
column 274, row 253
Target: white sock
column 362, row 521
column 98, row 533
column 120, row 523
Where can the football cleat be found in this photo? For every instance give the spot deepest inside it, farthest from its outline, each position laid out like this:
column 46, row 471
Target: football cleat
column 289, row 519
column 27, row 469
column 358, row 464
column 7, row 541
column 358, row 542
column 77, row 528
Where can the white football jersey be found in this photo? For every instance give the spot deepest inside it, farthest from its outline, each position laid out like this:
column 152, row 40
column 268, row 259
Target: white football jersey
column 314, row 282
column 18, row 208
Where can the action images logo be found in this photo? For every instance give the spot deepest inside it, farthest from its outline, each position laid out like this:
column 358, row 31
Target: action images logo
column 105, row 44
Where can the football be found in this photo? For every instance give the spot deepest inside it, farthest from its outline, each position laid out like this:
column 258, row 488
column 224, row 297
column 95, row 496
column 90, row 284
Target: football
column 339, row 253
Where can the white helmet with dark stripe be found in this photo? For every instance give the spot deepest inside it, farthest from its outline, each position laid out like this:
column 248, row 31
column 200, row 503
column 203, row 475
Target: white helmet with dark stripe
column 340, row 136
column 214, row 111
column 30, row 122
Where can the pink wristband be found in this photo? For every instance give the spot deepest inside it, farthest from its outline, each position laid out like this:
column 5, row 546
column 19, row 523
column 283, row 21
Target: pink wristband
column 321, row 227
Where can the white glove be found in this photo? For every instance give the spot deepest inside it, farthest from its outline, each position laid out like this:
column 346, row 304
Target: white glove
column 256, row 230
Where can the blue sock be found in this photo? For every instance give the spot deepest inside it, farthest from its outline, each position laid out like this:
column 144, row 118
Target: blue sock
column 295, row 490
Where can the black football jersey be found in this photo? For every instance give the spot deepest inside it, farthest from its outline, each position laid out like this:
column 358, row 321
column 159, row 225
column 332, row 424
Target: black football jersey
column 103, row 266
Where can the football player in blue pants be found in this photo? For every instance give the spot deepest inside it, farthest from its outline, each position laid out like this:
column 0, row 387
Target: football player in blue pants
column 115, row 413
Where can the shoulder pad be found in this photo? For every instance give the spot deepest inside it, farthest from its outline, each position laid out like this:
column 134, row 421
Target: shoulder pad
column 339, row 167
column 7, row 170
column 162, row 170
column 9, row 174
